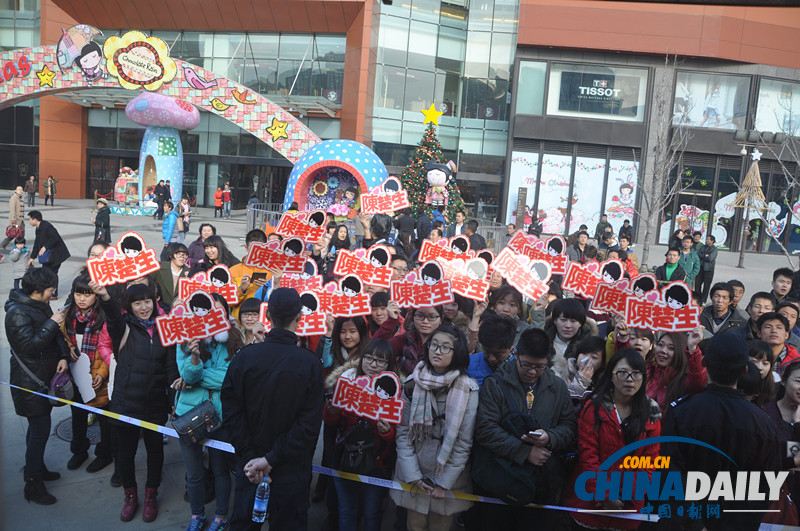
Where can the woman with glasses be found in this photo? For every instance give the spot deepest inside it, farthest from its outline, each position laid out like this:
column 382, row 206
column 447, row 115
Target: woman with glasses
column 360, row 498
column 409, row 346
column 172, row 270
column 676, row 368
column 618, row 413
column 216, row 253
column 434, row 438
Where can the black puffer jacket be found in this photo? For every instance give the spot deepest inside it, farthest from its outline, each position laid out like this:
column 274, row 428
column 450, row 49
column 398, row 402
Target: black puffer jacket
column 39, row 343
column 145, row 368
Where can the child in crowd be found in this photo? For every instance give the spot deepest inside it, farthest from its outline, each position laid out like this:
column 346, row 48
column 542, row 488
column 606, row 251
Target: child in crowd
column 19, row 255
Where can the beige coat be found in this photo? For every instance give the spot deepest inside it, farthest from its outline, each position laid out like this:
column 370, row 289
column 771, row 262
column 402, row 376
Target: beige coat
column 417, row 460
column 16, row 209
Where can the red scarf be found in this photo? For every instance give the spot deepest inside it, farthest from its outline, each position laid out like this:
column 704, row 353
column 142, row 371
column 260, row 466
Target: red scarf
column 90, row 338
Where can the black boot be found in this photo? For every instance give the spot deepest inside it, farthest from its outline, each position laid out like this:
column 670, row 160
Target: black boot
column 36, row 492
column 47, row 475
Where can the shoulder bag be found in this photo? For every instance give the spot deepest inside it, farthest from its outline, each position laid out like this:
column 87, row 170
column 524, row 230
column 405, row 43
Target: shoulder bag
column 60, row 385
column 195, row 425
column 499, row 476
column 45, row 257
column 355, row 449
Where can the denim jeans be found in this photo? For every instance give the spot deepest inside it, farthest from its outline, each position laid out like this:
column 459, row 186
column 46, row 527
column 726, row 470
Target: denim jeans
column 35, row 443
column 226, row 209
column 31, row 199
column 355, row 498
column 221, row 465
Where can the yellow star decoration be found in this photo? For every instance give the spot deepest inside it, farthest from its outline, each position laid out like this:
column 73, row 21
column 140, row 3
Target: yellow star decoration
column 431, row 115
column 46, row 76
column 277, row 129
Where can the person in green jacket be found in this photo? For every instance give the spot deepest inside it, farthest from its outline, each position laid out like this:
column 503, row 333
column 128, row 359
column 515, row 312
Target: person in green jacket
column 203, row 365
column 601, row 227
column 689, row 260
column 102, row 221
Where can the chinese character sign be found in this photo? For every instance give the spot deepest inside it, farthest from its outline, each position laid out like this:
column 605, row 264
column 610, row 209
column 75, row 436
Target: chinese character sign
column 613, row 298
column 308, row 226
column 286, row 255
column 307, row 280
column 312, row 321
column 529, row 277
column 377, row 398
column 551, row 250
column 388, row 197
column 129, row 260
column 673, row 311
column 467, row 278
column 350, row 300
column 370, row 265
column 198, row 317
column 427, row 289
column 455, row 247
column 218, row 279
column 582, row 279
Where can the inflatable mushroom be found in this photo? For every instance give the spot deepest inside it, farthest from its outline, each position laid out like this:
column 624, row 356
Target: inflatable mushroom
column 161, row 155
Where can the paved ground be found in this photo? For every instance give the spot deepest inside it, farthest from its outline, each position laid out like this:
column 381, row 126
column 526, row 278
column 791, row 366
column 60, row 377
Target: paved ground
column 87, row 499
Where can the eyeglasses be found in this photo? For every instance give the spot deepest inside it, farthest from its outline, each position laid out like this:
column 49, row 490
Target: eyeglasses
column 400, row 269
column 375, row 361
column 636, row 376
column 424, row 317
column 443, row 349
column 527, row 367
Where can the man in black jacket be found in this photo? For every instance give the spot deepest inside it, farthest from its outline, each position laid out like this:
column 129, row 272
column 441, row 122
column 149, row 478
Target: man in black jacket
column 671, row 270
column 708, row 261
column 719, row 317
column 721, row 416
column 47, row 240
column 272, row 400
column 476, row 241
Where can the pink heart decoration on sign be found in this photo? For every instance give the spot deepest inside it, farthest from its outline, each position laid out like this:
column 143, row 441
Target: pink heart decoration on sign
column 652, row 296
column 274, row 245
column 411, row 277
column 360, row 253
column 330, row 287
column 362, row 382
column 179, row 310
column 623, row 284
column 110, row 252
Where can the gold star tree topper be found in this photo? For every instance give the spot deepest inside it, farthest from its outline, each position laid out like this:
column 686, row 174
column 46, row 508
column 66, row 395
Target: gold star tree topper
column 431, row 115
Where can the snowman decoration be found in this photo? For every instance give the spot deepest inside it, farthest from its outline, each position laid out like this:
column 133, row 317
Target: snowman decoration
column 438, row 176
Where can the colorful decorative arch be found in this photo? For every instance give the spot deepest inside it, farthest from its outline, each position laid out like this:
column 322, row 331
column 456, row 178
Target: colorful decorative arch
column 356, row 158
column 30, row 73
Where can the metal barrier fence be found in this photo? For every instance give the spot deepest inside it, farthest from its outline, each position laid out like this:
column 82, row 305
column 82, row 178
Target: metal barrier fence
column 259, row 215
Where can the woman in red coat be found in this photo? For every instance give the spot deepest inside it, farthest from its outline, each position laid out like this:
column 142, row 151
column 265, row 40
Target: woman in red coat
column 619, row 413
column 218, row 201
column 677, row 367
column 409, row 346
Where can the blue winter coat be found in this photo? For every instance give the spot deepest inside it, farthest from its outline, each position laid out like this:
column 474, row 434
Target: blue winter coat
column 200, row 379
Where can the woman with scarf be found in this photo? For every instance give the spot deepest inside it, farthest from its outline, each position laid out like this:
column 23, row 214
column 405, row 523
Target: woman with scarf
column 202, row 365
column 434, row 438
column 145, row 371
column 82, row 327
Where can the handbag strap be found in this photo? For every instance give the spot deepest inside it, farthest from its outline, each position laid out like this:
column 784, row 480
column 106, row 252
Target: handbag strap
column 27, row 370
column 507, row 394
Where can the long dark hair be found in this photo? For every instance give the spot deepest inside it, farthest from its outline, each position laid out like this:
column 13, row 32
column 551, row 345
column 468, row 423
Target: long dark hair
column 225, row 256
column 378, row 348
column 633, row 426
column 81, row 285
column 235, row 339
column 336, row 344
column 336, row 243
column 678, row 367
column 460, row 360
column 760, row 350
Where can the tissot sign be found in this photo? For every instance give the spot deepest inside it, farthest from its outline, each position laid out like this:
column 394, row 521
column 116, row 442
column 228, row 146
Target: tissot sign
column 598, row 93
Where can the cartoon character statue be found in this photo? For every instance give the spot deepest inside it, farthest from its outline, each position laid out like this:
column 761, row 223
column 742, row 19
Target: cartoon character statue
column 438, row 175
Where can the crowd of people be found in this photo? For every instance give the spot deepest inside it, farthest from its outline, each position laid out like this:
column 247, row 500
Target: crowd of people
column 506, row 397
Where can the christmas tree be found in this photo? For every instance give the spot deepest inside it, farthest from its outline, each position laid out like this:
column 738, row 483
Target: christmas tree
column 415, row 182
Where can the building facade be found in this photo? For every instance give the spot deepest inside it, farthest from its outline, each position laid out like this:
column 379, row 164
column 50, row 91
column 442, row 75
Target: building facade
column 547, row 107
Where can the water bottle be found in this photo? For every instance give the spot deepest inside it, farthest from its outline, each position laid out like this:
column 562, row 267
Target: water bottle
column 262, row 501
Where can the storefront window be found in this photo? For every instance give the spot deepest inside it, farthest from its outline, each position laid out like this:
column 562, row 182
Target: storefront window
column 778, row 107
column 523, row 173
column 621, row 189
column 596, row 91
column 724, row 212
column 587, row 192
column 530, row 96
column 553, row 200
column 711, row 100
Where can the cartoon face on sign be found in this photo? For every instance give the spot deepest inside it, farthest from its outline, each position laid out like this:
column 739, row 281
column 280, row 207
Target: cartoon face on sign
column 129, row 260
column 487, row 255
column 387, row 197
column 611, row 271
column 201, row 303
column 218, row 279
column 308, row 226
column 676, row 296
column 428, row 288
column 309, row 302
column 287, row 255
column 431, row 273
column 200, row 317
column 555, row 245
column 219, row 276
column 309, row 270
column 476, row 269
column 391, row 186
column 351, row 286
column 673, row 311
column 377, row 398
column 644, row 284
column 292, row 247
column 379, row 257
column 459, row 244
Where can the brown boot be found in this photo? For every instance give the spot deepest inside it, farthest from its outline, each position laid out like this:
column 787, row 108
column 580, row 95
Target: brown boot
column 130, row 505
column 150, row 508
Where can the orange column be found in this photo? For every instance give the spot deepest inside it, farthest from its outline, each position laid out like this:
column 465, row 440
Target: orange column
column 359, row 74
column 62, row 125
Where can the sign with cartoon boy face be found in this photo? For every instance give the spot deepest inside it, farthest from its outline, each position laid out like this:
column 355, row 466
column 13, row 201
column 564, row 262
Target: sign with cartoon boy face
column 388, row 197
column 350, row 300
column 583, row 279
column 673, row 311
column 530, row 277
column 613, row 298
column 467, row 278
column 551, row 250
column 308, row 279
column 312, row 322
column 286, row 255
column 198, row 317
column 370, row 265
column 452, row 249
column 377, row 398
column 218, row 279
column 308, row 226
column 129, row 260
column 424, row 289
